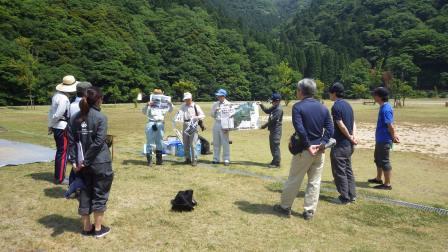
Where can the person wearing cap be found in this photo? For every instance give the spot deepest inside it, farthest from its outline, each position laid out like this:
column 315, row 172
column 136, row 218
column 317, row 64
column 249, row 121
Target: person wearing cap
column 385, row 136
column 155, row 128
column 341, row 153
column 274, row 125
column 220, row 136
column 81, row 89
column 58, row 117
column 192, row 114
column 312, row 122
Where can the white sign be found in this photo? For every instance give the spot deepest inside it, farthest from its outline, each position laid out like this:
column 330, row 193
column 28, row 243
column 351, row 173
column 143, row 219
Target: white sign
column 160, row 101
column 240, row 116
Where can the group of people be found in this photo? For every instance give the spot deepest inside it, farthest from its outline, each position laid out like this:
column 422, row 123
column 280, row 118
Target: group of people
column 80, row 131
column 192, row 114
column 315, row 126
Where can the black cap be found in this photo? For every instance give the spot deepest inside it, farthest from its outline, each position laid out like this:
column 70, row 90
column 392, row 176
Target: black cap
column 381, row 92
column 276, row 97
column 337, row 88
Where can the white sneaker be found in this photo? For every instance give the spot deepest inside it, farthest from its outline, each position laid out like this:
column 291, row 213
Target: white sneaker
column 226, row 162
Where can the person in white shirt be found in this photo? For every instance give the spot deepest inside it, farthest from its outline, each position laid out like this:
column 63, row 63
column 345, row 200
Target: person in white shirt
column 58, row 118
column 81, row 89
column 155, row 128
column 192, row 114
column 220, row 135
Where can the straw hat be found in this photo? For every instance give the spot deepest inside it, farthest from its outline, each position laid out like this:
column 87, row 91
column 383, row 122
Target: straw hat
column 68, row 84
column 157, row 91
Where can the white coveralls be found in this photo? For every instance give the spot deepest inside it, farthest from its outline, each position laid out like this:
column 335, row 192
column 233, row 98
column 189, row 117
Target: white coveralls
column 220, row 136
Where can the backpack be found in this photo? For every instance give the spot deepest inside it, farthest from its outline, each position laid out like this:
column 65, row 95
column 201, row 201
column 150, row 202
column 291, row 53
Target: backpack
column 205, row 146
column 294, row 144
column 183, row 201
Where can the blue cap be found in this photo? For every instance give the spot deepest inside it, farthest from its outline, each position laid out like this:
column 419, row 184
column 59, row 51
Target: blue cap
column 221, row 92
column 276, row 97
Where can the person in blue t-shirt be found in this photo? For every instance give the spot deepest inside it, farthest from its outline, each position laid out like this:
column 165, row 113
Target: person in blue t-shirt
column 385, row 136
column 341, row 154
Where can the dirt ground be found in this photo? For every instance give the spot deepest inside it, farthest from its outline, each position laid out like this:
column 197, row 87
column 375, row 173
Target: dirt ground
column 420, row 138
column 426, row 139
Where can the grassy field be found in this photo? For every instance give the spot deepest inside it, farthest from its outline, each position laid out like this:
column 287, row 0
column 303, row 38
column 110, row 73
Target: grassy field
column 234, row 211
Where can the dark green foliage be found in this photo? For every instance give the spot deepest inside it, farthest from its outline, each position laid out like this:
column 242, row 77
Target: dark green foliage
column 127, row 45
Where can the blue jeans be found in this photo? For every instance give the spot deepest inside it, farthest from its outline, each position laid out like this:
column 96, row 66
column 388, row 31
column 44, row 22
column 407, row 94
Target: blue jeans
column 154, row 137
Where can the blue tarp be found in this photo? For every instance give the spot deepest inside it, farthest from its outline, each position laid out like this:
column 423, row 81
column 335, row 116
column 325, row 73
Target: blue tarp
column 16, row 153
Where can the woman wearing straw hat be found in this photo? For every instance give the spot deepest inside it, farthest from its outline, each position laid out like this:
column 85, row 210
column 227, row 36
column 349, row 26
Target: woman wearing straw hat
column 58, row 117
column 155, row 128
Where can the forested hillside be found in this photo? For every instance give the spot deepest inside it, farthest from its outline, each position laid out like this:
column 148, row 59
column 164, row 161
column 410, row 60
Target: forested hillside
column 359, row 40
column 126, row 46
column 250, row 47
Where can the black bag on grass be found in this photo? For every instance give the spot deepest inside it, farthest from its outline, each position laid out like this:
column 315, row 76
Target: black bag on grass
column 183, row 201
column 205, row 146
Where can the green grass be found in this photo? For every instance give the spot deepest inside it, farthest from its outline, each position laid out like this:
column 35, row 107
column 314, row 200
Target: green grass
column 234, row 211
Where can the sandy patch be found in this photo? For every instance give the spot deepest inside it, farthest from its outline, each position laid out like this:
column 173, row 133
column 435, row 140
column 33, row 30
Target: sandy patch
column 420, row 138
column 427, row 139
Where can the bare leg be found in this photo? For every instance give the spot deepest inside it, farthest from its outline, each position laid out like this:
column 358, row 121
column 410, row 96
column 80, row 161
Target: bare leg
column 98, row 217
column 379, row 173
column 86, row 225
column 387, row 176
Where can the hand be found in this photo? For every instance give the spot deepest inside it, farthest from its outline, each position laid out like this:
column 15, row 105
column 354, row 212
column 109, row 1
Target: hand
column 50, row 131
column 150, row 103
column 396, row 139
column 263, row 127
column 75, row 167
column 353, row 140
column 314, row 149
column 258, row 102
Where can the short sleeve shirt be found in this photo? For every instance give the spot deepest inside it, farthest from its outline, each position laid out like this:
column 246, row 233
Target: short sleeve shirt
column 385, row 117
column 342, row 111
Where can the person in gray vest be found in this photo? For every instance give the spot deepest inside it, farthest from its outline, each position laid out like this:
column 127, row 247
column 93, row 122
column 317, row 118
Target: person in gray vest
column 274, row 125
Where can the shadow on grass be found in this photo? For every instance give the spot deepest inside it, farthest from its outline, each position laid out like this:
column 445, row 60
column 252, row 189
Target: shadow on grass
column 143, row 162
column 252, row 208
column 250, row 163
column 60, row 224
column 358, row 184
column 54, row 192
column 45, row 176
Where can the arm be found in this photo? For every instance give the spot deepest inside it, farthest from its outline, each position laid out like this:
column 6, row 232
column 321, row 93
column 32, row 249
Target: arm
column 60, row 111
column 345, row 131
column 213, row 111
column 391, row 128
column 328, row 128
column 266, row 110
column 145, row 109
column 170, row 106
column 95, row 148
column 298, row 126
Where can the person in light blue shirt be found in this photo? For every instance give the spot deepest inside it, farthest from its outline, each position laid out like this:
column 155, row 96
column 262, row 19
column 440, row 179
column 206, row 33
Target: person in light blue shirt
column 385, row 136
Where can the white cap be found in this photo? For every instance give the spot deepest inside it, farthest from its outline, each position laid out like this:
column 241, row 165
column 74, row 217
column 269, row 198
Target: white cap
column 187, row 96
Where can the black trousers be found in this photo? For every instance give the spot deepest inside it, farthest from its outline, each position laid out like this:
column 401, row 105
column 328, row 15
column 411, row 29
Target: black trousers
column 98, row 182
column 341, row 166
column 275, row 136
column 60, row 160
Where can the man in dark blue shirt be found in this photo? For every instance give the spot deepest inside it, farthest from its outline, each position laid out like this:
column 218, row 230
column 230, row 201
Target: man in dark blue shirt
column 385, row 136
column 313, row 125
column 341, row 154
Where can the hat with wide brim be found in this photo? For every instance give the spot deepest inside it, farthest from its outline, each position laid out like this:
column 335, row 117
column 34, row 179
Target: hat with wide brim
column 68, row 84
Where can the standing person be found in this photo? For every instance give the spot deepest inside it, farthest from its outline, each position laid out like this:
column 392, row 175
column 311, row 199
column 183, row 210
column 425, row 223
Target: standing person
column 385, row 136
column 58, row 117
column 220, row 135
column 155, row 128
column 313, row 125
column 341, row 154
column 274, row 126
column 81, row 89
column 89, row 130
column 192, row 114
